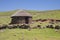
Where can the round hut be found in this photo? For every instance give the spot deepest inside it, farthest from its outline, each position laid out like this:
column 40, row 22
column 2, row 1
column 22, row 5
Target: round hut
column 21, row 17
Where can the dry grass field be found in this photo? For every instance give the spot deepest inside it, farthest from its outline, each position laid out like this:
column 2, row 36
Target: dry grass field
column 34, row 34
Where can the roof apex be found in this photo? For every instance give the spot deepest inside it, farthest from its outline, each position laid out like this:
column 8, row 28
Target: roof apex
column 21, row 13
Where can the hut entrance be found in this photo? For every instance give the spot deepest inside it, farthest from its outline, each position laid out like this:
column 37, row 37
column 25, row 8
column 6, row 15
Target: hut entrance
column 26, row 20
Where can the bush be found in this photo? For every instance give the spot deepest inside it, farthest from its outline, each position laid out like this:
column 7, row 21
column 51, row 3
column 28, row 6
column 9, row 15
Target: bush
column 57, row 27
column 49, row 26
column 12, row 26
column 4, row 26
column 24, row 26
column 39, row 26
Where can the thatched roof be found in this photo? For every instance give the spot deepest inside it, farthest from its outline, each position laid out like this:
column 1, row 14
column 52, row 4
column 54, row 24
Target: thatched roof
column 21, row 13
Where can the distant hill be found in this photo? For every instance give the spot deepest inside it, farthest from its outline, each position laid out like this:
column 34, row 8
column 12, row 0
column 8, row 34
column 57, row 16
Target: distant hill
column 51, row 14
column 7, row 13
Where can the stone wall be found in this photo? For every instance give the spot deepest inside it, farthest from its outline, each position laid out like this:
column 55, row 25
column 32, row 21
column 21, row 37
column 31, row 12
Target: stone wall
column 21, row 20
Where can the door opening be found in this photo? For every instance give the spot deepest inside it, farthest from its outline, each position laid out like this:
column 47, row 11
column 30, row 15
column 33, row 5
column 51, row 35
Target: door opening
column 26, row 20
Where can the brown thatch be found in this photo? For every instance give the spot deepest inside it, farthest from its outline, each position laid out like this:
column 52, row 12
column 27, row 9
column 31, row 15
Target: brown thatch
column 21, row 17
column 21, row 13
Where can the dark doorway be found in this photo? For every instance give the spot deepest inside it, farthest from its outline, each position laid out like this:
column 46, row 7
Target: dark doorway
column 26, row 20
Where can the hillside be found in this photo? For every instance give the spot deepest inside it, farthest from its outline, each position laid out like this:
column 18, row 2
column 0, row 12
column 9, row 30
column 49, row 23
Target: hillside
column 34, row 34
column 7, row 13
column 51, row 14
column 54, row 14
